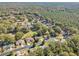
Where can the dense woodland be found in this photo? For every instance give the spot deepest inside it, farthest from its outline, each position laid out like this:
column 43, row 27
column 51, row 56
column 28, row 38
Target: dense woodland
column 38, row 30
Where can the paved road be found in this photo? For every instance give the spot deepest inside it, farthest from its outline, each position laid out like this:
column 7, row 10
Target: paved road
column 17, row 49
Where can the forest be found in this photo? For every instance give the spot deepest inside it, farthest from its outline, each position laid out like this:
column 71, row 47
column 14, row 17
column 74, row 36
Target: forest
column 39, row 29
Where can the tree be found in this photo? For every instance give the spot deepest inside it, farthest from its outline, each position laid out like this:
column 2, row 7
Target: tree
column 39, row 52
column 64, row 54
column 74, row 43
column 29, row 34
column 2, row 29
column 7, row 38
column 41, row 28
column 19, row 35
column 57, row 29
column 73, row 30
column 72, row 54
column 48, row 52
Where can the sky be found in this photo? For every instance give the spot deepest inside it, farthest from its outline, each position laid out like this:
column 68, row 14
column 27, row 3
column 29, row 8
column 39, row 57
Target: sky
column 39, row 0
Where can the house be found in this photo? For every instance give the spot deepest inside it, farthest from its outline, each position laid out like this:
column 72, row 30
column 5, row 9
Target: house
column 29, row 40
column 20, row 42
column 46, row 37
